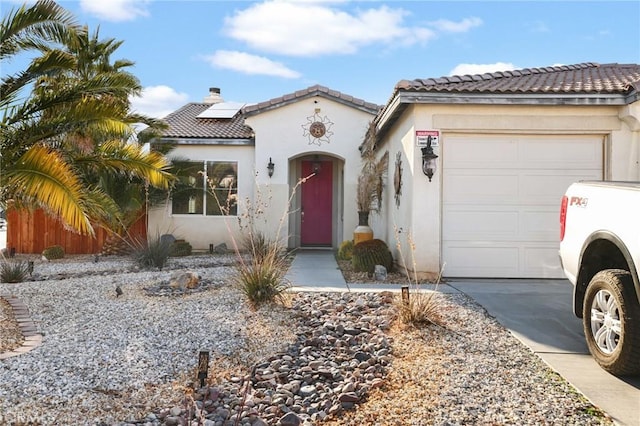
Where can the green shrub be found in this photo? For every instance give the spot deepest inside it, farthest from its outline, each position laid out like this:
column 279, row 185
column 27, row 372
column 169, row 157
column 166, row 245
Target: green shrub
column 181, row 248
column 153, row 253
column 261, row 279
column 367, row 254
column 260, row 276
column 13, row 271
column 345, row 251
column 53, row 252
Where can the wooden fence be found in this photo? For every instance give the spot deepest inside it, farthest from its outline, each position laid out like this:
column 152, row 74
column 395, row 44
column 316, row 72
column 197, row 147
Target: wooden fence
column 30, row 232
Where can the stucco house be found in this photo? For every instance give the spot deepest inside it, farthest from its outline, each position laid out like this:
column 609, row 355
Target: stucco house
column 508, row 145
column 478, row 164
column 257, row 155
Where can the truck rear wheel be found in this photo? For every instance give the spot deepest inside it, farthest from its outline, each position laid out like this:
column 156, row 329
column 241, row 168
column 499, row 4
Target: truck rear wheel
column 611, row 321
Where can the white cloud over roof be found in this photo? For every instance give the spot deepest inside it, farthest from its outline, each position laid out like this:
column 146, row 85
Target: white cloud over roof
column 463, row 69
column 158, row 101
column 249, row 64
column 308, row 28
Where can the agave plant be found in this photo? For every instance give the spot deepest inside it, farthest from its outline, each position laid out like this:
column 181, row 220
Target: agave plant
column 13, row 271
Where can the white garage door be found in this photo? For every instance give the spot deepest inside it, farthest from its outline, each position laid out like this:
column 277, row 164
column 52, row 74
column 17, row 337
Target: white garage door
column 501, row 200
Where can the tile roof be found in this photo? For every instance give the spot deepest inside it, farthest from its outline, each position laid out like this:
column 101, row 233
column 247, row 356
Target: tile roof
column 309, row 92
column 585, row 78
column 580, row 84
column 184, row 123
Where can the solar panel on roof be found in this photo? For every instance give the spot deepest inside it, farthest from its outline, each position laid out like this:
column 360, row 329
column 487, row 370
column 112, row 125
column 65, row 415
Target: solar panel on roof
column 222, row 110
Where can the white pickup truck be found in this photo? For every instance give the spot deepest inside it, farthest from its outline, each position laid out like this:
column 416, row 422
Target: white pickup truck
column 600, row 254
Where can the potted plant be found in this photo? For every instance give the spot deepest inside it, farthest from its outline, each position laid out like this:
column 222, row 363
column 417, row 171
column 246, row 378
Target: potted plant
column 370, row 184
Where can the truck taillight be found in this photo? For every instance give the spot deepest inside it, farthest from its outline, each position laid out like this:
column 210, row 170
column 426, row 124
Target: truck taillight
column 563, row 216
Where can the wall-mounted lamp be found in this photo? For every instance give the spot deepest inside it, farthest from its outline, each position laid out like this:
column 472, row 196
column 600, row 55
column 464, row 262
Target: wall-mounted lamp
column 428, row 160
column 270, row 167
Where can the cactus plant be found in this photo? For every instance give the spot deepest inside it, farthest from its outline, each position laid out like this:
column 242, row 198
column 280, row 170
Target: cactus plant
column 53, row 252
column 345, row 250
column 367, row 254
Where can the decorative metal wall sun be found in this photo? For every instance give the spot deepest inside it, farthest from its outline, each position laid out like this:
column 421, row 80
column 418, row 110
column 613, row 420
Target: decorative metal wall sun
column 317, row 129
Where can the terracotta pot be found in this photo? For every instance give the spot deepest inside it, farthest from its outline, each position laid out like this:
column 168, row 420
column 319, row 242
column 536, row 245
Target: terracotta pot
column 363, row 231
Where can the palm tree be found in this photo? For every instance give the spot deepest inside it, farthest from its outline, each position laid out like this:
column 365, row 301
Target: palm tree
column 26, row 29
column 74, row 126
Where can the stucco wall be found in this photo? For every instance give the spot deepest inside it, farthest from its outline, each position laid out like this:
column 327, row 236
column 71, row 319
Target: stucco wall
column 421, row 201
column 200, row 230
column 280, row 136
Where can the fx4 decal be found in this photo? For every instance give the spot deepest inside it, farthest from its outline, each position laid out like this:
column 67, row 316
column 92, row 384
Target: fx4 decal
column 578, row 202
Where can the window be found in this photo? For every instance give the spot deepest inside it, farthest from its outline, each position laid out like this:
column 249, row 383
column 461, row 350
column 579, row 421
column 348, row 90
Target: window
column 222, row 197
column 209, row 188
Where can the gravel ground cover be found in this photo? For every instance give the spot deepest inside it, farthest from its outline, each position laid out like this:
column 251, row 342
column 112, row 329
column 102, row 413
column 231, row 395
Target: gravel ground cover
column 129, row 359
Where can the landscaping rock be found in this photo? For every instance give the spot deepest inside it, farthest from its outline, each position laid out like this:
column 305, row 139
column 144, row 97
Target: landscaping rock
column 380, row 273
column 184, row 280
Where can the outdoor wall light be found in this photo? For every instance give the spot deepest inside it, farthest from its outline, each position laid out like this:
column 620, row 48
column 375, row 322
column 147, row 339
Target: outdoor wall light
column 429, row 162
column 270, row 167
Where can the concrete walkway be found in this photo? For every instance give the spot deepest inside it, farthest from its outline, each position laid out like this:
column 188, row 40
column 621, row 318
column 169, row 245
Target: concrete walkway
column 317, row 270
column 537, row 312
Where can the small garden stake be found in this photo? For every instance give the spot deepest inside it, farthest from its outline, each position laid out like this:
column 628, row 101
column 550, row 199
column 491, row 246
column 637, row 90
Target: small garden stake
column 203, row 367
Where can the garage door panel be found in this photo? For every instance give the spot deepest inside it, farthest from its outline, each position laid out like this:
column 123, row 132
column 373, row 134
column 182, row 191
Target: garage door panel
column 481, row 260
column 540, row 262
column 501, row 196
column 568, row 152
column 482, row 225
column 480, row 152
column 547, row 186
column 543, row 188
column 482, row 188
column 539, row 225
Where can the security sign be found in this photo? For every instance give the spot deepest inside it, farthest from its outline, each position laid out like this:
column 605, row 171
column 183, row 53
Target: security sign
column 422, row 137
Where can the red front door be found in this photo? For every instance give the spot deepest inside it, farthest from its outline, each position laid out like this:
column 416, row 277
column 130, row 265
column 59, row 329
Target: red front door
column 316, row 209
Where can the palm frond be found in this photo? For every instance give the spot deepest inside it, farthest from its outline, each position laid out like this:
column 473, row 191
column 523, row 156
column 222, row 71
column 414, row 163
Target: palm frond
column 34, row 27
column 150, row 166
column 43, row 179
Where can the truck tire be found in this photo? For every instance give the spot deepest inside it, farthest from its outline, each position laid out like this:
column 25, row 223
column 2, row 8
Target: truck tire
column 611, row 321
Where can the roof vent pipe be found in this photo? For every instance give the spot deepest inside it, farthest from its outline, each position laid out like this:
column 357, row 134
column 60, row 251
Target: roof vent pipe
column 214, row 96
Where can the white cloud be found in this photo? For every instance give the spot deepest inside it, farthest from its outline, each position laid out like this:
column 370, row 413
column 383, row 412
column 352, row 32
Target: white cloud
column 249, row 64
column 471, row 69
column 116, row 10
column 539, row 27
column 457, row 27
column 158, row 101
column 308, row 29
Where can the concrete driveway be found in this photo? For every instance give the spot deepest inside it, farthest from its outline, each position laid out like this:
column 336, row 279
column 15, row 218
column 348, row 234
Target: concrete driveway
column 538, row 312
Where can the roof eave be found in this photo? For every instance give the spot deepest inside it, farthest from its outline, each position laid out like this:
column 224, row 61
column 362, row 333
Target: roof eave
column 270, row 107
column 206, row 141
column 403, row 99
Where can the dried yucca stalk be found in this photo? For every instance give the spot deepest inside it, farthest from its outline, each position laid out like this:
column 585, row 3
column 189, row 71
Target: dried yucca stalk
column 372, row 174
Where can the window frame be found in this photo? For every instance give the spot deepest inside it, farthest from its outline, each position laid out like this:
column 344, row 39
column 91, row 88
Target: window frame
column 206, row 197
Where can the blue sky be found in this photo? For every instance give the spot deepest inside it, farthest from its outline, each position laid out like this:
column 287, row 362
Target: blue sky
column 255, row 51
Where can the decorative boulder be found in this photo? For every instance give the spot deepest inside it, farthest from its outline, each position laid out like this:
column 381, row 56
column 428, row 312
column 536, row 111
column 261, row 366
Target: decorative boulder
column 184, row 280
column 221, row 248
column 167, row 239
column 380, row 272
